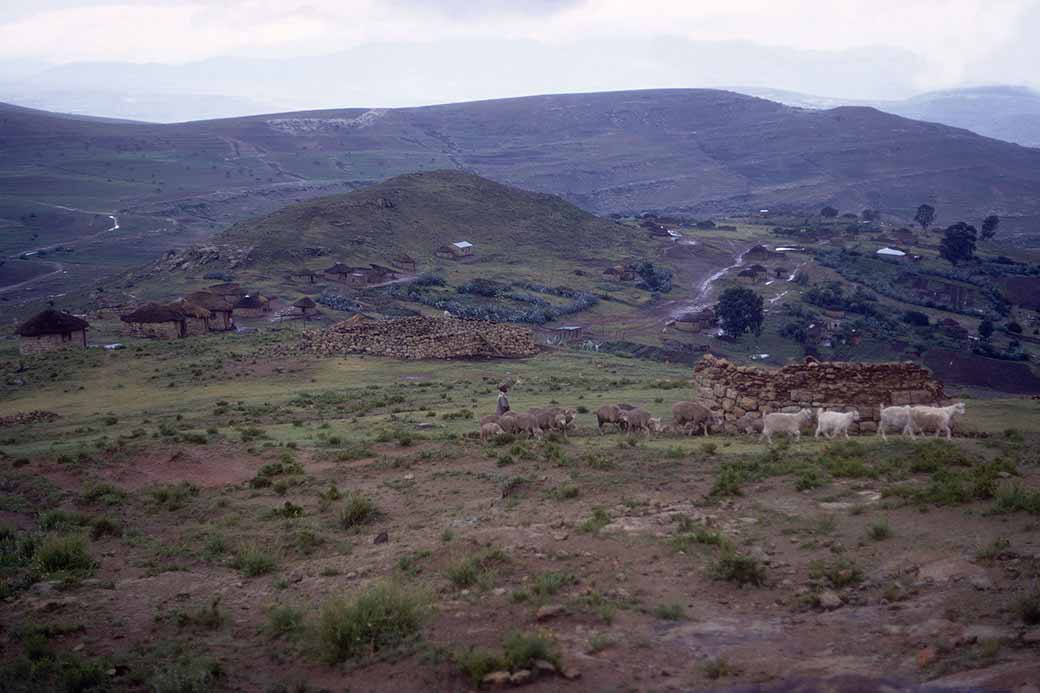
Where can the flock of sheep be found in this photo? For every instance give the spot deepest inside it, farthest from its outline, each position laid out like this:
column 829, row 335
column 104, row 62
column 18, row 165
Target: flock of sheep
column 690, row 418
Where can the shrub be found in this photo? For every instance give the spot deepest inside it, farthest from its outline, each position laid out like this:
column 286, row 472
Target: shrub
column 739, row 568
column 548, row 584
column 879, row 531
column 284, row 621
column 62, row 520
column 477, row 662
column 728, row 482
column 669, row 612
column 172, row 496
column 383, row 616
column 210, row 616
column 187, row 676
column 357, row 511
column 566, row 491
column 104, row 494
column 63, row 553
column 476, row 569
column 521, row 650
column 254, row 561
column 1010, row 498
column 839, row 572
column 596, row 522
column 104, row 526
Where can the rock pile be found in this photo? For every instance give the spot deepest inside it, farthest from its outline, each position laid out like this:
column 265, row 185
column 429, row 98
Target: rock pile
column 423, row 338
column 27, row 417
column 745, row 393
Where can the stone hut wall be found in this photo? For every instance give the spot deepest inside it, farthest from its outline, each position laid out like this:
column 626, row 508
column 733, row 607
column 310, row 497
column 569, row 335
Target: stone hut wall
column 50, row 342
column 743, row 394
column 249, row 312
column 154, row 330
column 195, row 326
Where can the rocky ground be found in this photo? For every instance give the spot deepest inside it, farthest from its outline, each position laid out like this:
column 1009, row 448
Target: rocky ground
column 628, row 567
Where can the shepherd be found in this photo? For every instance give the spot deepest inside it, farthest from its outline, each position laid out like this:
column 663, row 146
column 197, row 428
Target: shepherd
column 503, row 403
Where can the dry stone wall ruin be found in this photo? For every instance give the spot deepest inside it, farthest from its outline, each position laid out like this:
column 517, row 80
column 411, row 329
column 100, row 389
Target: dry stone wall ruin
column 744, row 394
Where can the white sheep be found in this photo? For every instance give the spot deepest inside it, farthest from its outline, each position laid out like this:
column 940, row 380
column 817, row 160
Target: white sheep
column 831, row 423
column 785, row 423
column 895, row 418
column 924, row 419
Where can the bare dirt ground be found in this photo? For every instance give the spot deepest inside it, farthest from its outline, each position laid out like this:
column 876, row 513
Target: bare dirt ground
column 607, row 550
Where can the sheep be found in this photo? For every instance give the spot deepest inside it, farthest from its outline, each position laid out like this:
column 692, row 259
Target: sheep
column 924, row 418
column 691, row 416
column 514, row 422
column 490, row 418
column 785, row 423
column 831, row 423
column 897, row 417
column 555, row 418
column 608, row 414
column 640, row 420
column 489, row 431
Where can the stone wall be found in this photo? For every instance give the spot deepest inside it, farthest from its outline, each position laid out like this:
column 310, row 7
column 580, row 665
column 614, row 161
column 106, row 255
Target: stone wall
column 195, row 326
column 745, row 393
column 50, row 342
column 153, row 330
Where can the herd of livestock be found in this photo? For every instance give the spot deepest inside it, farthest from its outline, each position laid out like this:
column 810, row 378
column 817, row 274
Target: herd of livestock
column 691, row 417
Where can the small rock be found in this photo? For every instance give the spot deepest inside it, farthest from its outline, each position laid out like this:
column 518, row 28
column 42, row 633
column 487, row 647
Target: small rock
column 570, row 673
column 499, row 591
column 830, row 600
column 560, row 536
column 981, row 583
column 381, row 538
column 926, row 656
column 544, row 666
column 423, row 425
column 496, row 678
column 548, row 611
column 409, row 477
column 521, row 677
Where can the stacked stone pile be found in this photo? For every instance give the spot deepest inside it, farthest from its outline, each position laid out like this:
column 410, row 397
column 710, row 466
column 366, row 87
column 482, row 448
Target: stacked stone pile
column 745, row 393
column 423, row 338
column 27, row 417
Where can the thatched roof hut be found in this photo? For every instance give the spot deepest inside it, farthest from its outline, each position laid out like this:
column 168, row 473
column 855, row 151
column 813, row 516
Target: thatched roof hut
column 51, row 330
column 155, row 320
column 306, row 305
column 219, row 307
column 226, row 289
column 251, row 305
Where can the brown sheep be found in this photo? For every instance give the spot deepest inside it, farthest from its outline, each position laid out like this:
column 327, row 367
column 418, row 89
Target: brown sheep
column 691, row 416
column 549, row 418
column 514, row 423
column 490, row 418
column 609, row 414
column 640, row 420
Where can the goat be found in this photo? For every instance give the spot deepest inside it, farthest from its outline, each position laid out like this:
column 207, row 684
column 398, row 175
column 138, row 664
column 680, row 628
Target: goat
column 897, row 417
column 924, row 418
column 831, row 423
column 785, row 423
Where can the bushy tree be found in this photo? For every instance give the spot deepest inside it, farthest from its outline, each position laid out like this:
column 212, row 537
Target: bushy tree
column 986, row 329
column 828, row 212
column 989, row 226
column 958, row 243
column 925, row 216
column 1014, row 327
column 740, row 311
column 915, row 318
column 654, row 278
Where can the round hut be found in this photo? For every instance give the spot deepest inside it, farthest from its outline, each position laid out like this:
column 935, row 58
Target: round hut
column 156, row 321
column 52, row 330
column 196, row 318
column 306, row 306
column 251, row 306
column 218, row 306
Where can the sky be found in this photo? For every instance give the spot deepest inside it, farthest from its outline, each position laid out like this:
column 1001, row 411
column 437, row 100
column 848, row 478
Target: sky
column 936, row 43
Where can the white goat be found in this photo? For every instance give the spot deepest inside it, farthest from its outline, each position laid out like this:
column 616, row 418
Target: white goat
column 785, row 423
column 831, row 423
column 925, row 419
column 895, row 418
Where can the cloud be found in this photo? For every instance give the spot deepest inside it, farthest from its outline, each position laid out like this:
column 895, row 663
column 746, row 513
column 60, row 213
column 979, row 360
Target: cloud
column 956, row 39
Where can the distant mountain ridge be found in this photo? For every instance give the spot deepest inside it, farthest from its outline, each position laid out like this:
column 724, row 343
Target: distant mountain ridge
column 1010, row 113
column 701, row 152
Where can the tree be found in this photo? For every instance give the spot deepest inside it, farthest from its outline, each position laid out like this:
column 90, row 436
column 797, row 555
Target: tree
column 870, row 215
column 740, row 311
column 1014, row 327
column 958, row 243
column 915, row 318
column 828, row 212
column 989, row 226
column 986, row 329
column 925, row 216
